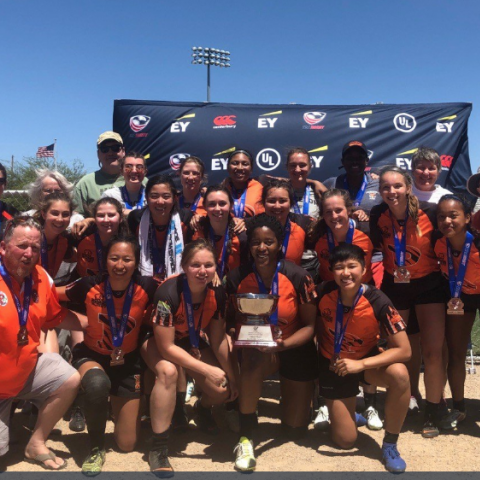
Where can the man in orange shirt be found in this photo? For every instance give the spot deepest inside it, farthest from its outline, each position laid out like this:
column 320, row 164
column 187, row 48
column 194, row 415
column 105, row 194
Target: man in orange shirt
column 28, row 304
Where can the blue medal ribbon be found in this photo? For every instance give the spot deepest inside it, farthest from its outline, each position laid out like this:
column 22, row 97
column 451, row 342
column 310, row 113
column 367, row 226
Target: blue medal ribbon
column 99, row 251
column 193, row 206
column 273, row 291
column 286, row 239
column 456, row 281
column 193, row 333
column 400, row 245
column 306, row 202
column 348, row 239
column 360, row 193
column 157, row 255
column 340, row 328
column 129, row 205
column 118, row 333
column 222, row 261
column 239, row 203
column 27, row 295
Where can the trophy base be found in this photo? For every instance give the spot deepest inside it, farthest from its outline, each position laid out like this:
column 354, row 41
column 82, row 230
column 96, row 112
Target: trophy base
column 250, row 344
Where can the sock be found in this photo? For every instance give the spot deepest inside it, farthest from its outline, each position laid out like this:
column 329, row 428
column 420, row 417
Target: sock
column 390, row 437
column 431, row 409
column 370, row 400
column 160, row 440
column 180, row 401
column 232, row 405
column 459, row 405
column 248, row 422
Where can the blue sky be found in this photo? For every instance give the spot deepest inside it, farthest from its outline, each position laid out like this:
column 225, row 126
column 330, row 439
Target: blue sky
column 64, row 62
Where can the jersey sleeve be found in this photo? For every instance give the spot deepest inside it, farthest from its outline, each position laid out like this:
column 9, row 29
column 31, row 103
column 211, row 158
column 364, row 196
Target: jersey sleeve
column 330, row 182
column 221, row 300
column 166, row 303
column 301, row 280
column 375, row 234
column 387, row 315
column 78, row 290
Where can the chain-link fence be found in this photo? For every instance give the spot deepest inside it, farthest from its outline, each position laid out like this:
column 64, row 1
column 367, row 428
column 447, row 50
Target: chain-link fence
column 18, row 199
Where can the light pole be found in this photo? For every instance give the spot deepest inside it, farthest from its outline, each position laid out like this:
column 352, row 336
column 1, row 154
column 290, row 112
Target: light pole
column 210, row 57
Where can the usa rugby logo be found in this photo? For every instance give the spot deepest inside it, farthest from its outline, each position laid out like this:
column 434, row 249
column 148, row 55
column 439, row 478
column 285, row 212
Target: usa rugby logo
column 176, row 160
column 139, row 122
column 313, row 118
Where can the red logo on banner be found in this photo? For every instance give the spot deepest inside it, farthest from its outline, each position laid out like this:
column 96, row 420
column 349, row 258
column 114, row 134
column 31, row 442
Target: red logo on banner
column 312, row 118
column 225, row 120
column 446, row 160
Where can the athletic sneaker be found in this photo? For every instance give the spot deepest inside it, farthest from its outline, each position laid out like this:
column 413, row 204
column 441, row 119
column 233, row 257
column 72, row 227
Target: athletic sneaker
column 77, row 420
column 232, row 419
column 190, row 390
column 245, row 459
column 413, row 407
column 373, row 419
column 322, row 420
column 160, row 464
column 93, row 464
column 429, row 429
column 458, row 415
column 360, row 420
column 391, row 458
column 447, row 421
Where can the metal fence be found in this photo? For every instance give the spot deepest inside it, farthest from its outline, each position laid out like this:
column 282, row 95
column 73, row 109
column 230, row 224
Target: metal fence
column 18, row 199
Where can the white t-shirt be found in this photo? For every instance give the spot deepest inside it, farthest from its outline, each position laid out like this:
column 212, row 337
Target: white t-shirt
column 432, row 196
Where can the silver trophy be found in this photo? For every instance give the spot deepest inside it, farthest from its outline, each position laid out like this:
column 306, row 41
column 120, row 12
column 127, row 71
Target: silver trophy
column 256, row 330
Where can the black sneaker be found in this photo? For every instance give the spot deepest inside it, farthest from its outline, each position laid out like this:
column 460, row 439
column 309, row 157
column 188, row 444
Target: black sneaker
column 160, row 464
column 77, row 420
column 429, row 429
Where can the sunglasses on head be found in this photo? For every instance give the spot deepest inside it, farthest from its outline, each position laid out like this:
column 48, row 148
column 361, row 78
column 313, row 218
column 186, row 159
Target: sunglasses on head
column 130, row 168
column 113, row 148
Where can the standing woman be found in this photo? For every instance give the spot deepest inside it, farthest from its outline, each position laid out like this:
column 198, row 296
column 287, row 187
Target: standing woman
column 108, row 215
column 159, row 229
column 186, row 308
column 402, row 228
column 458, row 252
column 132, row 194
column 108, row 359
column 293, row 323
column 218, row 227
column 278, row 199
column 57, row 246
column 246, row 192
column 192, row 176
column 335, row 227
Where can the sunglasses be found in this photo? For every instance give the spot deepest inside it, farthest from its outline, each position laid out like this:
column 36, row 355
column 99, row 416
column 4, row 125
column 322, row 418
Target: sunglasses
column 3, row 181
column 130, row 168
column 113, row 148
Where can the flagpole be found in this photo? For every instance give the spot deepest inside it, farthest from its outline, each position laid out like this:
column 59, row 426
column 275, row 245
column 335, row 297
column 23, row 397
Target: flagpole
column 55, row 154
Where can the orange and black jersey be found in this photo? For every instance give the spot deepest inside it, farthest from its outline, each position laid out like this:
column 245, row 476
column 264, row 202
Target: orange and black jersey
column 253, row 198
column 471, row 283
column 91, row 291
column 200, row 210
column 420, row 258
column 359, row 239
column 87, row 260
column 295, row 287
column 373, row 311
column 237, row 249
column 299, row 224
column 60, row 250
column 169, row 307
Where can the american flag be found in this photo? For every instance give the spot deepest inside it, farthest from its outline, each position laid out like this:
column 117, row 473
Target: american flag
column 46, row 151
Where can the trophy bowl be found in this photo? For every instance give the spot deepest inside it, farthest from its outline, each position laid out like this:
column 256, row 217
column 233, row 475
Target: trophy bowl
column 256, row 304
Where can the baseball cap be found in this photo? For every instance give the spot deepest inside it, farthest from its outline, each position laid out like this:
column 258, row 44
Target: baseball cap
column 354, row 144
column 109, row 136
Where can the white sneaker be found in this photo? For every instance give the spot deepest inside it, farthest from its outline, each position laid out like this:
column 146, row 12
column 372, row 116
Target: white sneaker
column 413, row 407
column 232, row 418
column 322, row 420
column 190, row 390
column 360, row 401
column 245, row 459
column 373, row 419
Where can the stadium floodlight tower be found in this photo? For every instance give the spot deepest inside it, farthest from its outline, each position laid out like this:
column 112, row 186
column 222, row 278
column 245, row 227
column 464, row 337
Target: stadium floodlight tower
column 210, row 57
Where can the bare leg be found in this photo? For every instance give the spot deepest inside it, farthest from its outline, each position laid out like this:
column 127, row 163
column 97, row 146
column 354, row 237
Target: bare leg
column 342, row 420
column 127, row 421
column 296, row 402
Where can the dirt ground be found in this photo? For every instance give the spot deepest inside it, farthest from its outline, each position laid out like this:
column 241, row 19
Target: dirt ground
column 196, row 451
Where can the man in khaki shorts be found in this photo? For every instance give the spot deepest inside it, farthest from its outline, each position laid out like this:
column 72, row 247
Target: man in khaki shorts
column 28, row 304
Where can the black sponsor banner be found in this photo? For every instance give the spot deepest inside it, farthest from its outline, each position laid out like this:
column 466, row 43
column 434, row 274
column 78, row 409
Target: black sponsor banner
column 168, row 131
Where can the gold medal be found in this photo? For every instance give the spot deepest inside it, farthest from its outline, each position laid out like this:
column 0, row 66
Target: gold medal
column 117, row 357
column 401, row 275
column 22, row 337
column 333, row 362
column 455, row 307
column 195, row 353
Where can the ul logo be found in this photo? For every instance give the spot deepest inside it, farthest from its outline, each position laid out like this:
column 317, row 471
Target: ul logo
column 268, row 159
column 404, row 122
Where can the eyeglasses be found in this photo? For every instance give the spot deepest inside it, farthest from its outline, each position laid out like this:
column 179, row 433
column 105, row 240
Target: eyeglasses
column 113, row 148
column 48, row 191
column 138, row 168
column 3, row 181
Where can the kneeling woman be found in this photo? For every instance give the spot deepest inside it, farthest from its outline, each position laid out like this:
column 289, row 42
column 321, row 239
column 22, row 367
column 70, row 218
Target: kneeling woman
column 352, row 316
column 294, row 356
column 108, row 360
column 189, row 330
